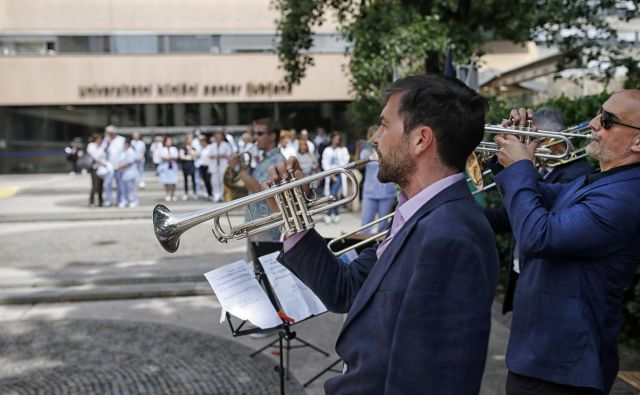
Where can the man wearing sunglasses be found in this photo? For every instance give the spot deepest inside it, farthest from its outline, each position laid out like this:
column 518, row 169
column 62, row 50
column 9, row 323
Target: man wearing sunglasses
column 266, row 134
column 581, row 243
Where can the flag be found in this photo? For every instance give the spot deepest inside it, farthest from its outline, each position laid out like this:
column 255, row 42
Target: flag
column 449, row 69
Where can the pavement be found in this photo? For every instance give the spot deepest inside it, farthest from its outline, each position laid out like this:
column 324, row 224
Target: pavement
column 91, row 304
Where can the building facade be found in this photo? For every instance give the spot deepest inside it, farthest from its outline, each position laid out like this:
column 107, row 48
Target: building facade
column 70, row 67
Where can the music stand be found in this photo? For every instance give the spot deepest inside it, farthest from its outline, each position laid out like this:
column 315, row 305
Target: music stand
column 285, row 334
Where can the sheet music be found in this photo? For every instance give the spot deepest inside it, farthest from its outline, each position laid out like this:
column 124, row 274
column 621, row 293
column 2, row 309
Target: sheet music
column 240, row 294
column 296, row 299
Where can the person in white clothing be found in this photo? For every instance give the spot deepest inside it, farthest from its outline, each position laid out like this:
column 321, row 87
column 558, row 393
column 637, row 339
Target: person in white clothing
column 155, row 150
column 219, row 152
column 232, row 142
column 286, row 147
column 141, row 149
column 304, row 137
column 197, row 147
column 335, row 155
column 168, row 168
column 128, row 166
column 113, row 144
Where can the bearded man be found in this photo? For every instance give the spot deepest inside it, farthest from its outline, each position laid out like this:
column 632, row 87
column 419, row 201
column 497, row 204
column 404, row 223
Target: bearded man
column 581, row 248
column 418, row 304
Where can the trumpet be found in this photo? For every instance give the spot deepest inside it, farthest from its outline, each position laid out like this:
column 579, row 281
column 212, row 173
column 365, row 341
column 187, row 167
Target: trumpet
column 527, row 133
column 340, row 239
column 365, row 241
column 296, row 210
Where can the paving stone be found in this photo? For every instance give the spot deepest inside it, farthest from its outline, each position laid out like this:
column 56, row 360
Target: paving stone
column 124, row 357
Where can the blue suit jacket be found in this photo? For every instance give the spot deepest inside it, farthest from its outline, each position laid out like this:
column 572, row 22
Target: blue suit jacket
column 419, row 317
column 582, row 247
column 499, row 219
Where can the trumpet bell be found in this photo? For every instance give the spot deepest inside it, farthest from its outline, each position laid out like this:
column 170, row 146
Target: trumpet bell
column 166, row 232
column 474, row 170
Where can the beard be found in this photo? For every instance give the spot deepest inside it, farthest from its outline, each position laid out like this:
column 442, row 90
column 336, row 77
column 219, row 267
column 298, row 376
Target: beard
column 396, row 166
column 597, row 151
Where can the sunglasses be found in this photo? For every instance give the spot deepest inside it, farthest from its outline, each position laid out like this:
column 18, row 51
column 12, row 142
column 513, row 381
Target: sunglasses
column 259, row 134
column 607, row 120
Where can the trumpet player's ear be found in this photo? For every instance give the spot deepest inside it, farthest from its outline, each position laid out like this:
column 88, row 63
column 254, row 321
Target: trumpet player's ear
column 423, row 138
column 635, row 147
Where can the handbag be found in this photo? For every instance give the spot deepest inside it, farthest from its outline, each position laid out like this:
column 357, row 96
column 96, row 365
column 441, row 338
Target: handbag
column 104, row 169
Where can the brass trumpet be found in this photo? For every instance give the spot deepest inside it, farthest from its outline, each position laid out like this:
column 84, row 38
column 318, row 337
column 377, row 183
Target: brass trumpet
column 295, row 210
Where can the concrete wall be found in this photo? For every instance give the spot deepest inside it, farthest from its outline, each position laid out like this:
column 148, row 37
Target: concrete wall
column 95, row 16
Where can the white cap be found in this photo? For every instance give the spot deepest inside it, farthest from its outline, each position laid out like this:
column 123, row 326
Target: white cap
column 110, row 129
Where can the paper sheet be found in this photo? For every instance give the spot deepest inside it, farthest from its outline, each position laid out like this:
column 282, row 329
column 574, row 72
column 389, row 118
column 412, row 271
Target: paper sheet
column 240, row 294
column 296, row 299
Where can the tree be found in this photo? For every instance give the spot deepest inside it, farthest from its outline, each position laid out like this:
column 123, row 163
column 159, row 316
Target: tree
column 412, row 36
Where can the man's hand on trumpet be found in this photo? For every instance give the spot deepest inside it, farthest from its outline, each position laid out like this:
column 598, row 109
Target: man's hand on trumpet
column 283, row 171
column 511, row 148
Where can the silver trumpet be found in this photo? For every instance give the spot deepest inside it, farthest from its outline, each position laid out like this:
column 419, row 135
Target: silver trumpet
column 378, row 236
column 527, row 133
column 296, row 210
column 362, row 242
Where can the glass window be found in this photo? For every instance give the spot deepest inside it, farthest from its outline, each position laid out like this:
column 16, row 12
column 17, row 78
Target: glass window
column 329, row 43
column 83, row 44
column 230, row 43
column 135, row 44
column 192, row 44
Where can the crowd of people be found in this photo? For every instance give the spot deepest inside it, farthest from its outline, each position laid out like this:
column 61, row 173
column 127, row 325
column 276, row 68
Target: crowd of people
column 196, row 163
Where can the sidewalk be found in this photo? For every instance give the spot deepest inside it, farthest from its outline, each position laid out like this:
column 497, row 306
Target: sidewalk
column 91, row 291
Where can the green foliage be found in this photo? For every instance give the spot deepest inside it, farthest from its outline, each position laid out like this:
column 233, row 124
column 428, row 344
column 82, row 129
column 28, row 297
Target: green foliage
column 411, row 36
column 580, row 109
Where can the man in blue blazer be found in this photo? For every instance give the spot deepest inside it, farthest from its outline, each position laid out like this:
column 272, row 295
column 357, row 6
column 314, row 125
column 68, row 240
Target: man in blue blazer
column 419, row 305
column 551, row 119
column 582, row 247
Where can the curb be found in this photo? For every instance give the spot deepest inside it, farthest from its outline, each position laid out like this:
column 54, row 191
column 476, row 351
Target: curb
column 89, row 293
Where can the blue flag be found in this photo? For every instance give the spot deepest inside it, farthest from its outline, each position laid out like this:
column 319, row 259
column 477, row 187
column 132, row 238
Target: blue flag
column 449, row 70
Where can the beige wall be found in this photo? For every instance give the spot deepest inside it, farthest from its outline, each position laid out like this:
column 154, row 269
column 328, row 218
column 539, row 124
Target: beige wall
column 41, row 80
column 504, row 55
column 109, row 16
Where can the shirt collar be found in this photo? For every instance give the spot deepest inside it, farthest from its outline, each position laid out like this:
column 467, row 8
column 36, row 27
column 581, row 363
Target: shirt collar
column 408, row 207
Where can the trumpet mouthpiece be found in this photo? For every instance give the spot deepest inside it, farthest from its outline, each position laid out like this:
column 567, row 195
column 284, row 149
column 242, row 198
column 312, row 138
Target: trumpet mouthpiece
column 374, row 156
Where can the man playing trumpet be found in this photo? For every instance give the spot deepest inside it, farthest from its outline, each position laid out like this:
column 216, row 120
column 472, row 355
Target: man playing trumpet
column 419, row 303
column 581, row 243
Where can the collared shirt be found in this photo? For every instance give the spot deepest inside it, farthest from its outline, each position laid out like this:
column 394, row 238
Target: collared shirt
column 408, row 207
column 261, row 174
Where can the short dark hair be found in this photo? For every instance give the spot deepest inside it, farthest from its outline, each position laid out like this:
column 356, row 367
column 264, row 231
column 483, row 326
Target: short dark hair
column 272, row 126
column 455, row 112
